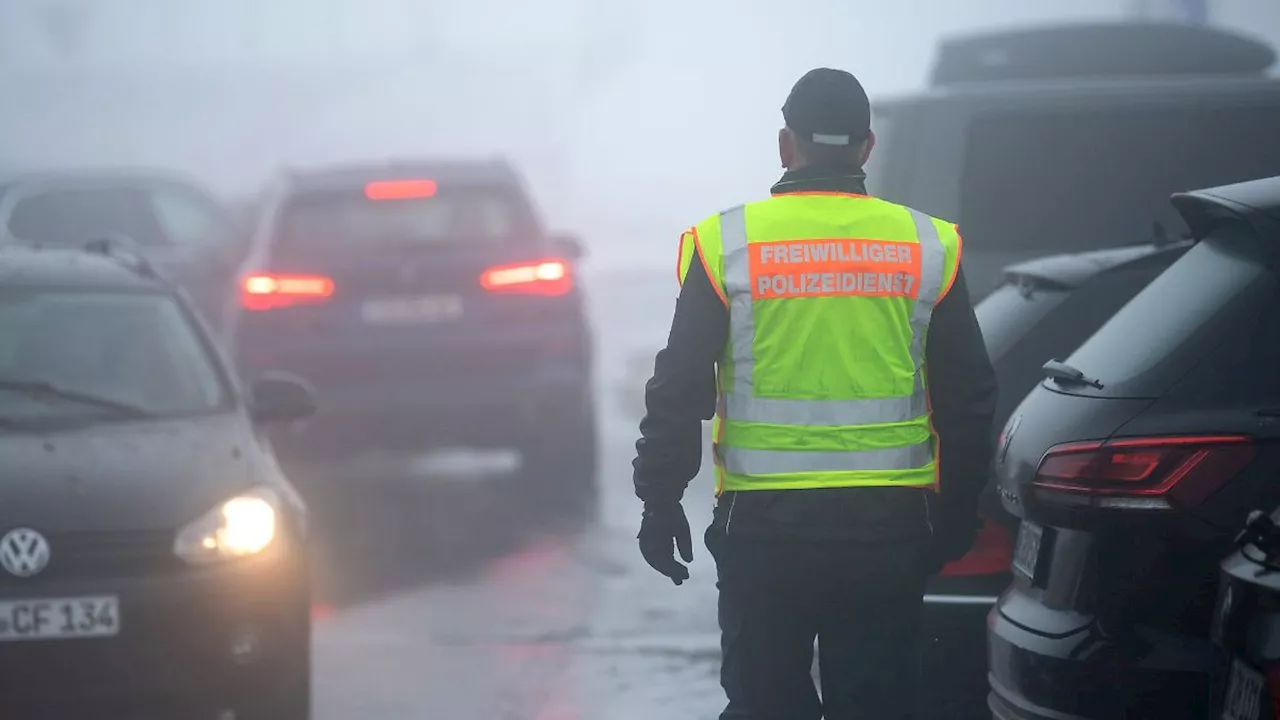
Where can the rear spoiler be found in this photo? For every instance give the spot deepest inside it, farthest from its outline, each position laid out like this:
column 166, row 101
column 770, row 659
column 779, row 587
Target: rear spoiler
column 1256, row 202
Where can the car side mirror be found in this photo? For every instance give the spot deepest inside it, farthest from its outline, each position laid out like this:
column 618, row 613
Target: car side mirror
column 280, row 397
column 569, row 247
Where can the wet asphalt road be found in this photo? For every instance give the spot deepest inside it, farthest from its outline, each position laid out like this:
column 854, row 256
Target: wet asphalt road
column 438, row 599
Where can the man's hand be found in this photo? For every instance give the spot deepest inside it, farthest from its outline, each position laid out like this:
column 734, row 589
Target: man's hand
column 663, row 529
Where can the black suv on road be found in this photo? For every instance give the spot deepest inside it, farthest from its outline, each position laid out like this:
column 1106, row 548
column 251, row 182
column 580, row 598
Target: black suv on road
column 1045, row 309
column 1131, row 468
column 152, row 555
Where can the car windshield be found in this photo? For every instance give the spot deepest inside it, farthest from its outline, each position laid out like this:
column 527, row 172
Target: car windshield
column 71, row 216
column 101, row 355
column 352, row 219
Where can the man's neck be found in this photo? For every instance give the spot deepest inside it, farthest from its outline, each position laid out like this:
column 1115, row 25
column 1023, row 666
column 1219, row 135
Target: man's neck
column 817, row 178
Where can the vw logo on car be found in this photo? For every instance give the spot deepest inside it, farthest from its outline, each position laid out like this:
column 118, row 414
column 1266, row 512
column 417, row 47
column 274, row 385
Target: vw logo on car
column 24, row 552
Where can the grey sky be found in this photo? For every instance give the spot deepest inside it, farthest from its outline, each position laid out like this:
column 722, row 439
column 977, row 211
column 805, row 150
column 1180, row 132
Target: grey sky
column 632, row 118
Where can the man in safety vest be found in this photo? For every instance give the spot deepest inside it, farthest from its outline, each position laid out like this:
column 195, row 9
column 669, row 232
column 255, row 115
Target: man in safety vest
column 832, row 337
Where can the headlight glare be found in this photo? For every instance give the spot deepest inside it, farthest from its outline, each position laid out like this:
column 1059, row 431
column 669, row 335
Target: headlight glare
column 242, row 526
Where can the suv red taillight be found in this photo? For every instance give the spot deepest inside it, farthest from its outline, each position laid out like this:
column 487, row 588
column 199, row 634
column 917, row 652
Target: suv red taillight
column 543, row 277
column 269, row 291
column 1156, row 473
column 992, row 553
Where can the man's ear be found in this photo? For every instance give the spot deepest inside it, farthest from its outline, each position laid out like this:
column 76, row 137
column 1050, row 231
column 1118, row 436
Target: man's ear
column 867, row 147
column 786, row 148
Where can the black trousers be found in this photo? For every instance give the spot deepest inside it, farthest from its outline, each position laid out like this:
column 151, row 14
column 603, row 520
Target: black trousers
column 862, row 601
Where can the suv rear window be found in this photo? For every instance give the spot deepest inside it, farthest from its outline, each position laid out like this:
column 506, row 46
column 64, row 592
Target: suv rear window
column 1211, row 292
column 1007, row 314
column 350, row 219
column 74, row 216
column 1101, row 176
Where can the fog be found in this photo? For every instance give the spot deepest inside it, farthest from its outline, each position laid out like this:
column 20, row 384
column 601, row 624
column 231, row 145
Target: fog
column 630, row 119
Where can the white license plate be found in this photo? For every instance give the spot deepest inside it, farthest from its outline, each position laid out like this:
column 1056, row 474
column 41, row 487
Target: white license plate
column 1244, row 694
column 412, row 310
column 1026, row 551
column 59, row 618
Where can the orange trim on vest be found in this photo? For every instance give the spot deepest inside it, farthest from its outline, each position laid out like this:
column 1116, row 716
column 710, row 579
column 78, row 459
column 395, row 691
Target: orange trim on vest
column 697, row 247
column 955, row 269
column 833, row 268
column 680, row 257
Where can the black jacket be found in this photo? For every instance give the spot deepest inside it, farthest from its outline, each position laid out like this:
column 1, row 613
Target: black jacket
column 682, row 394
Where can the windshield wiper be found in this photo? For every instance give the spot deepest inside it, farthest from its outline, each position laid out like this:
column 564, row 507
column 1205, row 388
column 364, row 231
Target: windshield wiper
column 44, row 387
column 1064, row 374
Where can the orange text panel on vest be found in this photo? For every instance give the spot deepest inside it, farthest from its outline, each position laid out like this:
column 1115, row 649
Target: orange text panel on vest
column 831, row 268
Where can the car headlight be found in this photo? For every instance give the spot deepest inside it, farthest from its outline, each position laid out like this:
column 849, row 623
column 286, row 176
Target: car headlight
column 242, row 526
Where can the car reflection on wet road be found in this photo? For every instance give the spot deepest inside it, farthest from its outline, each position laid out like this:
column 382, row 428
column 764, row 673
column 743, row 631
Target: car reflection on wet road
column 515, row 617
column 567, row 624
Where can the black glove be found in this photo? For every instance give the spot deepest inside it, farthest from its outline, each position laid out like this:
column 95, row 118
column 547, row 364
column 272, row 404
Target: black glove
column 662, row 526
column 953, row 537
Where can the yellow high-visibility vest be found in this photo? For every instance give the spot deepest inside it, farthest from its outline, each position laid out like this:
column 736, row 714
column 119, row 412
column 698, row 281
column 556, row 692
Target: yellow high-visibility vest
column 822, row 382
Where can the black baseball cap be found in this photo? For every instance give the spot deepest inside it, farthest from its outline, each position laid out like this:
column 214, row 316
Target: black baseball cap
column 828, row 107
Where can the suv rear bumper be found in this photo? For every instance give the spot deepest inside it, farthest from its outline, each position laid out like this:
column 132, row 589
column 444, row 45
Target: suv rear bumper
column 1086, row 675
column 434, row 411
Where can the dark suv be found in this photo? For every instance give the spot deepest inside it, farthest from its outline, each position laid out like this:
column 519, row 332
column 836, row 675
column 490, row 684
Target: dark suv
column 1131, row 468
column 1071, row 138
column 1045, row 309
column 431, row 309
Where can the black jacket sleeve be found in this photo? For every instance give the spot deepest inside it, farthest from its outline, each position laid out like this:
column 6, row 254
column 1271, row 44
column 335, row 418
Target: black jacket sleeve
column 962, row 393
column 682, row 392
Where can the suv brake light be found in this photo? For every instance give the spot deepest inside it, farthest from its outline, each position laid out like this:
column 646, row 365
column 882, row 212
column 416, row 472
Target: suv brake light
column 1156, row 473
column 400, row 189
column 544, row 277
column 269, row 291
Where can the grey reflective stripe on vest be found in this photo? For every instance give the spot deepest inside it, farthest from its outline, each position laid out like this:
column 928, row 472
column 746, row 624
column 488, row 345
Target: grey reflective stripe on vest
column 745, row 461
column 741, row 403
column 933, row 265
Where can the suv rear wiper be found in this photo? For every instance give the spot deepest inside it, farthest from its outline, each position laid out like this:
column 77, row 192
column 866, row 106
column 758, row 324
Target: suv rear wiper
column 1064, row 374
column 44, row 387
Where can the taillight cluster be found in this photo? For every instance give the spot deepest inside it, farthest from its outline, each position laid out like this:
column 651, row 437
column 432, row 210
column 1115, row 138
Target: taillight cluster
column 1158, row 473
column 544, row 277
column 269, row 291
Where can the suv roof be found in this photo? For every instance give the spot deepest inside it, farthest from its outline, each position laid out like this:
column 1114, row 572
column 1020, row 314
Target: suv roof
column 1039, row 64
column 98, row 268
column 341, row 176
column 1098, row 52
column 1071, row 270
column 9, row 180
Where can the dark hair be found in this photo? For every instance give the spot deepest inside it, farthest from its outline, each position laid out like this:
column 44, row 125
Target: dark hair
column 844, row 156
